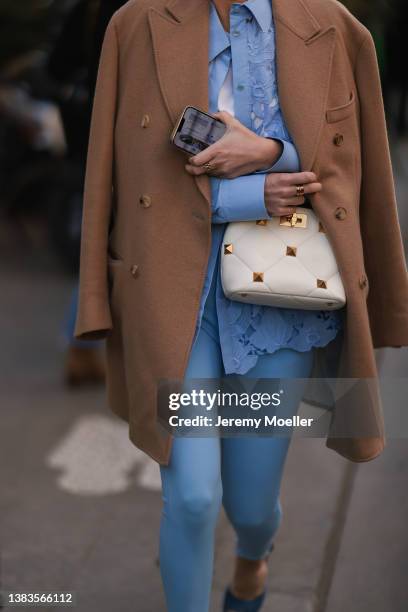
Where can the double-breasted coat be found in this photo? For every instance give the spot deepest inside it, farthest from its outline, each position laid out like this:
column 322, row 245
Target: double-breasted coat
column 146, row 225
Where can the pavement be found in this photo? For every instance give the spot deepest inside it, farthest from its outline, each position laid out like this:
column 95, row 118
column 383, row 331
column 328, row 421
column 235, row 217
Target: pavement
column 80, row 505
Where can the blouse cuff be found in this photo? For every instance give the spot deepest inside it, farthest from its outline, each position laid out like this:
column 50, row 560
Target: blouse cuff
column 288, row 161
column 239, row 199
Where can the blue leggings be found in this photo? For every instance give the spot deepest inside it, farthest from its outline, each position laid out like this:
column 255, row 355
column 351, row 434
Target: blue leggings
column 242, row 473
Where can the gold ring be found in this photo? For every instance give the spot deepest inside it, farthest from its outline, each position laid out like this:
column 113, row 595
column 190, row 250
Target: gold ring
column 300, row 191
column 209, row 167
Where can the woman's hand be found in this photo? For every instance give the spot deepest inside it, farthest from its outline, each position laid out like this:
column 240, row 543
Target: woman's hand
column 240, row 151
column 280, row 191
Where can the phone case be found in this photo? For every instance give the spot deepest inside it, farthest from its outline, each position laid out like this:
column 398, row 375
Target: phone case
column 196, row 130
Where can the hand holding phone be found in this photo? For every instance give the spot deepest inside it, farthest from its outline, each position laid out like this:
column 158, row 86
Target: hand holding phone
column 240, row 150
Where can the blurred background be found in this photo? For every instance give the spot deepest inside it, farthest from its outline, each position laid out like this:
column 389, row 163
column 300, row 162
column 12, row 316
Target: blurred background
column 80, row 505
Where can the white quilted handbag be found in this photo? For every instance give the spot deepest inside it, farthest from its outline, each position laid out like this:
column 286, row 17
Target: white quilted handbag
column 285, row 261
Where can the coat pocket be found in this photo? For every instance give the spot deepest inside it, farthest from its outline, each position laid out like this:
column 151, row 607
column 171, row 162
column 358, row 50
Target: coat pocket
column 115, row 265
column 114, row 258
column 338, row 113
column 115, row 275
column 114, row 261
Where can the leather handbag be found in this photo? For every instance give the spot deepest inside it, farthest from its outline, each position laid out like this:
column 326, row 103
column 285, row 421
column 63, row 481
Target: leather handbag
column 286, row 262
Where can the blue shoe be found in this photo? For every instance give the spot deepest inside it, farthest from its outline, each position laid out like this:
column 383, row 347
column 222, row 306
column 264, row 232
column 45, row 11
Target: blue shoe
column 233, row 604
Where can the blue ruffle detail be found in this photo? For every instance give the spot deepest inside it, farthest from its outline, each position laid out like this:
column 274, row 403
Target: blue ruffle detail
column 265, row 112
column 248, row 331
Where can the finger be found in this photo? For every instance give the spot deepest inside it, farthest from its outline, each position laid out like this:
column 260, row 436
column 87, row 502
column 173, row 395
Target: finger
column 294, row 201
column 309, row 188
column 204, row 156
column 299, row 178
column 313, row 187
column 285, row 211
column 194, row 170
column 289, row 192
column 224, row 116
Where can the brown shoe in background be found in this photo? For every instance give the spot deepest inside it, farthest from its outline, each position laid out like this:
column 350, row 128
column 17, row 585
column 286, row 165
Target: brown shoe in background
column 84, row 366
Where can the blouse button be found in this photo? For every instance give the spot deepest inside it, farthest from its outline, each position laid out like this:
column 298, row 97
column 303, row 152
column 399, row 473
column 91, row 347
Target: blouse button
column 338, row 140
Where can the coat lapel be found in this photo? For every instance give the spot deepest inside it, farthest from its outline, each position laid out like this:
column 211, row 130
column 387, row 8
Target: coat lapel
column 180, row 41
column 304, row 54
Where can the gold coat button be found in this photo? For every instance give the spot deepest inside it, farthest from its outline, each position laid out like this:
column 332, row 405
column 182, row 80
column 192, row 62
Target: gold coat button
column 145, row 200
column 134, row 270
column 340, row 213
column 338, row 140
column 363, row 282
column 145, row 121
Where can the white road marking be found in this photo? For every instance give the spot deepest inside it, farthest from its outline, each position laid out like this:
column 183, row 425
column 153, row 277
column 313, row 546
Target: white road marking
column 96, row 457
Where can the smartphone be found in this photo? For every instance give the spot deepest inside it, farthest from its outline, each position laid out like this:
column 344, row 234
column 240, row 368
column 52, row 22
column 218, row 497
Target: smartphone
column 196, row 130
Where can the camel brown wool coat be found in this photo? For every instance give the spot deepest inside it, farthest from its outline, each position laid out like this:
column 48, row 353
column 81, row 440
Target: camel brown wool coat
column 147, row 223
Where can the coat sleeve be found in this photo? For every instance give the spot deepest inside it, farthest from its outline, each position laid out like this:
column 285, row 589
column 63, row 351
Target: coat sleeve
column 93, row 319
column 382, row 242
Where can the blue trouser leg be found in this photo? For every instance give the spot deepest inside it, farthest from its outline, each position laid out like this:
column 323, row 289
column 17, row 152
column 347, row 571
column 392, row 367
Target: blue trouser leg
column 192, row 494
column 245, row 473
column 252, row 467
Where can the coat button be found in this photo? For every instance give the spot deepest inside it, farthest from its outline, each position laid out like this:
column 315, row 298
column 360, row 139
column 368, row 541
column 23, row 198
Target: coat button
column 134, row 270
column 363, row 282
column 145, row 121
column 145, row 200
column 338, row 140
column 340, row 213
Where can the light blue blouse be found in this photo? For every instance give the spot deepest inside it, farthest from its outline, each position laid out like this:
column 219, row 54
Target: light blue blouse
column 247, row 330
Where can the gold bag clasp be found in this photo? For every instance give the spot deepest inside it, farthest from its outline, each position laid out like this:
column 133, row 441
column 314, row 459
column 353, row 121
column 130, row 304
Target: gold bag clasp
column 294, row 220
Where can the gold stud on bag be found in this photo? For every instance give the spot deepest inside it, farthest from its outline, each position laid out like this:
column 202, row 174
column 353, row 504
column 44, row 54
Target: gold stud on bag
column 286, row 262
